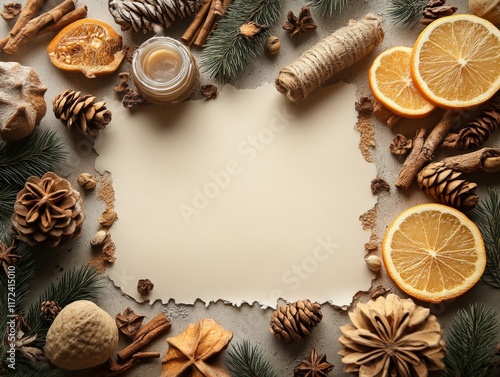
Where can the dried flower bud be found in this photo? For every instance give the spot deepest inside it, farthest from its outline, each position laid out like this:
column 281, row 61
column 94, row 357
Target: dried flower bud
column 107, row 218
column 251, row 29
column 144, row 286
column 272, row 45
column 374, row 263
column 100, row 238
column 86, row 181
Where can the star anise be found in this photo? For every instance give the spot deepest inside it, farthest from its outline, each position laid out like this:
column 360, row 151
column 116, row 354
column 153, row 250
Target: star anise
column 128, row 322
column 315, row 366
column 7, row 256
column 299, row 24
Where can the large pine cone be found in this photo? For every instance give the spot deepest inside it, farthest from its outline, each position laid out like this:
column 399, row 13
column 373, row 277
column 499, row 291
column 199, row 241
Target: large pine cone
column 392, row 337
column 81, row 111
column 296, row 320
column 446, row 185
column 48, row 211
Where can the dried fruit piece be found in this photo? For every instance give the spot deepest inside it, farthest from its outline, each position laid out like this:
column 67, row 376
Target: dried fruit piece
column 88, row 45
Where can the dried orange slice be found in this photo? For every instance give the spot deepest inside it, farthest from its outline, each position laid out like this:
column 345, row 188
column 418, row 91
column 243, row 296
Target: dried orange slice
column 87, row 45
column 433, row 252
column 391, row 84
column 455, row 61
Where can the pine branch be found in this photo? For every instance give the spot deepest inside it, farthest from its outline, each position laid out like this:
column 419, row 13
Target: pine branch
column 76, row 284
column 329, row 7
column 7, row 200
column 487, row 218
column 227, row 51
column 245, row 360
column 406, row 12
column 35, row 155
column 471, row 342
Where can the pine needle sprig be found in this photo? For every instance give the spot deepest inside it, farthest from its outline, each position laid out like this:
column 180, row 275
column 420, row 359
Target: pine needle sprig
column 406, row 12
column 35, row 155
column 227, row 51
column 471, row 342
column 7, row 199
column 76, row 284
column 245, row 360
column 328, row 7
column 486, row 215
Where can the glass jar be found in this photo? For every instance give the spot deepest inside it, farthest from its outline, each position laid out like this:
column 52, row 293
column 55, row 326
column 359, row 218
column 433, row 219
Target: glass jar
column 164, row 71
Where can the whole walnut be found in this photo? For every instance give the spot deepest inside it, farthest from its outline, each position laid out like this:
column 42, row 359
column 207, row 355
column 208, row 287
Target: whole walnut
column 81, row 336
column 487, row 9
column 22, row 103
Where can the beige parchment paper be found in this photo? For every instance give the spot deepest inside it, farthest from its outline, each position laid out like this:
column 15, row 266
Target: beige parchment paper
column 245, row 198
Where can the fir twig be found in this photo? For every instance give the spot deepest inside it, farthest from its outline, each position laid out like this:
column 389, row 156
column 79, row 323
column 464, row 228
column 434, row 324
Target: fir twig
column 35, row 155
column 487, row 218
column 7, row 200
column 227, row 51
column 406, row 12
column 328, row 7
column 75, row 284
column 471, row 342
column 245, row 360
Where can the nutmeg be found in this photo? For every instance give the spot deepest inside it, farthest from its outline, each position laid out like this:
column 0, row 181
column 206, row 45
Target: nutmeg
column 22, row 103
column 373, row 262
column 272, row 45
column 100, row 238
column 107, row 218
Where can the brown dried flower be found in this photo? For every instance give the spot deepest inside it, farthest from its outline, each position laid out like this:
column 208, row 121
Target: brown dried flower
column 123, row 84
column 299, row 24
column 128, row 322
column 209, row 91
column 378, row 185
column 392, row 337
column 144, row 286
column 11, row 10
column 401, row 145
column 314, row 366
column 251, row 29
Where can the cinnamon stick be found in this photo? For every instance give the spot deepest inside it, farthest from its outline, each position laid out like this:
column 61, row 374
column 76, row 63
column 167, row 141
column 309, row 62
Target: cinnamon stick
column 483, row 160
column 193, row 29
column 74, row 15
column 36, row 24
column 29, row 11
column 207, row 27
column 115, row 368
column 150, row 331
column 419, row 156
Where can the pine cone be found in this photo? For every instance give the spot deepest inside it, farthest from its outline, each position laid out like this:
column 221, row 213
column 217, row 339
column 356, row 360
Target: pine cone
column 477, row 131
column 435, row 9
column 392, row 337
column 296, row 320
column 146, row 15
column 81, row 111
column 48, row 211
column 49, row 310
column 445, row 185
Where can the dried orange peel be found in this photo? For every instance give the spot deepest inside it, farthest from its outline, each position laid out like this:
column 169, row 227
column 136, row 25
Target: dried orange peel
column 433, row 252
column 89, row 46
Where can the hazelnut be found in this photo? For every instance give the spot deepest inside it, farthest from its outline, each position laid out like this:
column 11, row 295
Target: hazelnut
column 100, row 238
column 374, row 263
column 272, row 45
column 107, row 218
column 86, row 181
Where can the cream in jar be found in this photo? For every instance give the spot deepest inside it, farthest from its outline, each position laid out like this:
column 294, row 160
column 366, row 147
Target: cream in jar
column 164, row 71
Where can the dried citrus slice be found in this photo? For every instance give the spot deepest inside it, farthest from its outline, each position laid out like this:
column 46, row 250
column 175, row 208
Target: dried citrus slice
column 391, row 84
column 87, row 45
column 433, row 252
column 455, row 61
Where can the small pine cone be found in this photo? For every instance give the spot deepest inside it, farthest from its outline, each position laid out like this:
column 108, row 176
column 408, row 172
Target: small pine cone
column 295, row 321
column 435, row 9
column 142, row 15
column 445, row 185
column 49, row 310
column 477, row 131
column 81, row 111
column 48, row 211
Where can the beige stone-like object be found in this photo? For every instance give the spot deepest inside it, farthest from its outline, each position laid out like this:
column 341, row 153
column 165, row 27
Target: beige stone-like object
column 22, row 103
column 82, row 336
